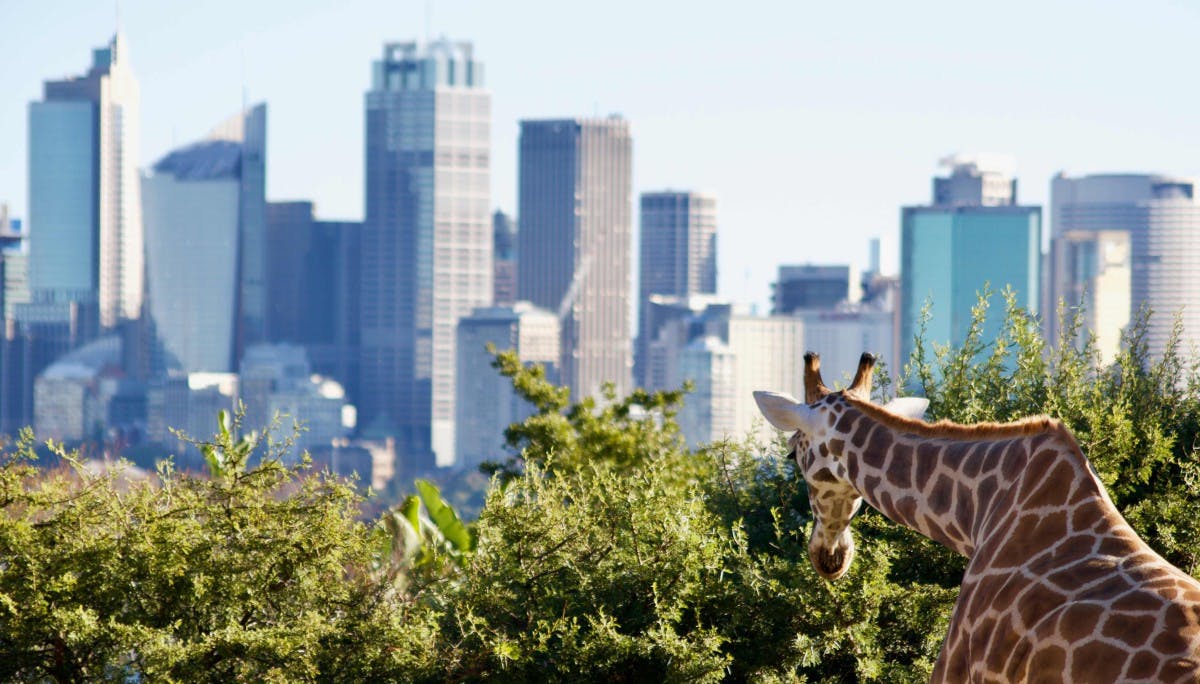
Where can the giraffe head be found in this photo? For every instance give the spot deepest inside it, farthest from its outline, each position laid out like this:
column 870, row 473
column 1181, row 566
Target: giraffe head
column 831, row 493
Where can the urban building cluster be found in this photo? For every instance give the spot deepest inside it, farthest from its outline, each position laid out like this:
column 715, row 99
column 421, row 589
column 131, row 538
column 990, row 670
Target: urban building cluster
column 138, row 302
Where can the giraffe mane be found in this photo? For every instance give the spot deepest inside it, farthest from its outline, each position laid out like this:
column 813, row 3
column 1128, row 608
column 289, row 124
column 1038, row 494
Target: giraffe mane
column 945, row 429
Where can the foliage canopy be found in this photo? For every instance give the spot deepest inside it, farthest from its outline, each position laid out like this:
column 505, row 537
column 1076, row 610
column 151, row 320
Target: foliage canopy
column 606, row 550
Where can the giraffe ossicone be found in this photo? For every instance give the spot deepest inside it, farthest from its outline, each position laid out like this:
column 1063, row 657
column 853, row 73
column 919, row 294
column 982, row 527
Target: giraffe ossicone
column 1058, row 586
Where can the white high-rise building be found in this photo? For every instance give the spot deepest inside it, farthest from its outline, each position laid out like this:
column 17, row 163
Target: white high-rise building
column 84, row 208
column 487, row 402
column 575, row 243
column 709, row 412
column 1120, row 242
column 426, row 241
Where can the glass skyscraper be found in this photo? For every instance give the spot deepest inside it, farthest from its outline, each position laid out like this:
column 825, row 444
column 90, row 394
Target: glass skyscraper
column 205, row 225
column 575, row 243
column 84, row 208
column 426, row 241
column 948, row 252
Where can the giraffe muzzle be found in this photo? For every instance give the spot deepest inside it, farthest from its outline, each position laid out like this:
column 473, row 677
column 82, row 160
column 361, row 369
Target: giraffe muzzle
column 831, row 561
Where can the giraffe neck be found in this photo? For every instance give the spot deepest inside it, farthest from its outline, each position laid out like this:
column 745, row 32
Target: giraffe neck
column 956, row 489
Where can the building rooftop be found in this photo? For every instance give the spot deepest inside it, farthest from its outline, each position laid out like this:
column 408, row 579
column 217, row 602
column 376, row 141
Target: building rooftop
column 206, row 160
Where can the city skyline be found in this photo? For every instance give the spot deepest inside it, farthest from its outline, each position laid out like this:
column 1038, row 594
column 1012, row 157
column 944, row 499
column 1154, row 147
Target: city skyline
column 786, row 117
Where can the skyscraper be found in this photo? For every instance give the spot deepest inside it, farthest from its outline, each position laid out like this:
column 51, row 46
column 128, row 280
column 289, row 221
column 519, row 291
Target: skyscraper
column 427, row 240
column 312, row 288
column 678, row 254
column 84, row 208
column 1120, row 241
column 949, row 252
column 575, row 242
column 205, row 226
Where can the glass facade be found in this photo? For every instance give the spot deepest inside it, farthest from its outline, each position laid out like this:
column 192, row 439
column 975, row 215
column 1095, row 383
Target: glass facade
column 63, row 186
column 205, row 218
column 948, row 255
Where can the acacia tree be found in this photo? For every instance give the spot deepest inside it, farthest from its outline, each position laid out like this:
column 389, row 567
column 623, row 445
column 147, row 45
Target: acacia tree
column 252, row 573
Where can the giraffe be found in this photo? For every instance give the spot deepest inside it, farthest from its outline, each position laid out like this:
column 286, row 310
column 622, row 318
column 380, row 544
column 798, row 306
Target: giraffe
column 1058, row 586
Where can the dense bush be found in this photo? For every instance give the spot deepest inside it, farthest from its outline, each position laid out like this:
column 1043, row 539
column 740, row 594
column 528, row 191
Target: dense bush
column 605, row 551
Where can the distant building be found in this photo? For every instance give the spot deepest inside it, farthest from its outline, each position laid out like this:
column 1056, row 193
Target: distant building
column 664, row 341
column 277, row 381
column 14, row 265
column 842, row 334
column 710, row 411
column 71, row 396
column 810, row 286
column 504, row 240
column 312, row 288
column 84, row 208
column 426, row 243
column 1120, row 242
column 973, row 183
column 727, row 354
column 487, row 402
column 678, row 255
column 190, row 403
column 205, row 219
column 949, row 252
column 575, row 243
column 372, row 461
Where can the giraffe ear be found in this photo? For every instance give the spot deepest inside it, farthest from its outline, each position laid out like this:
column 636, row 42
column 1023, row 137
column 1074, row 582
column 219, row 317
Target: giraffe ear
column 783, row 411
column 908, row 407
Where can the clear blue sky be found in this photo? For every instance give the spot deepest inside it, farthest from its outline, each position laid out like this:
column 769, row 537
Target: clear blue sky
column 812, row 122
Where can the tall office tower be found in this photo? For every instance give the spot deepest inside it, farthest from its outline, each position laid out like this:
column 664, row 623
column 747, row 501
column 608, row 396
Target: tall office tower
column 504, row 240
column 312, row 288
column 678, row 255
column 487, row 402
column 205, row 226
column 84, row 210
column 814, row 287
column 16, row 389
column 948, row 252
column 1113, row 237
column 575, row 243
column 427, row 240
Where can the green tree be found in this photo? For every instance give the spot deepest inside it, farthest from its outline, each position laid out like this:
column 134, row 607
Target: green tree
column 249, row 574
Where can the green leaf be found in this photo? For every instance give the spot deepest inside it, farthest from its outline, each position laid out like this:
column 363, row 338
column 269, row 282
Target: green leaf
column 410, row 509
column 443, row 515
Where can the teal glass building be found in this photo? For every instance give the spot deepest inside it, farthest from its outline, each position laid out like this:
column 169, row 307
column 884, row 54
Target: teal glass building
column 949, row 253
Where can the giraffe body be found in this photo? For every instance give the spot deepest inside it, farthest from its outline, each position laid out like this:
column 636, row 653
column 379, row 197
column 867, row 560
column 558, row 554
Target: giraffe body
column 1058, row 587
